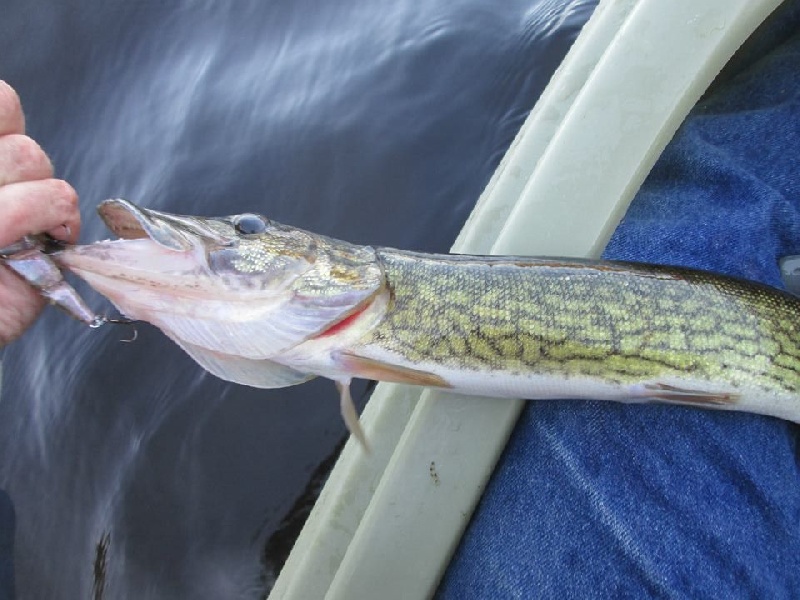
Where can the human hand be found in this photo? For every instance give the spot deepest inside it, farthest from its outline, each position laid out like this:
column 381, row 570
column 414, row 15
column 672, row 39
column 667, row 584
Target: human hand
column 31, row 202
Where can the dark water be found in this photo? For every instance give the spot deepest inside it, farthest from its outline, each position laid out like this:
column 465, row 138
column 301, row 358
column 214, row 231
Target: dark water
column 373, row 122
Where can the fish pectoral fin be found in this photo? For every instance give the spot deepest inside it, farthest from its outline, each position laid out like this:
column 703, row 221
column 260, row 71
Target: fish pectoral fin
column 350, row 415
column 260, row 373
column 370, row 368
column 677, row 395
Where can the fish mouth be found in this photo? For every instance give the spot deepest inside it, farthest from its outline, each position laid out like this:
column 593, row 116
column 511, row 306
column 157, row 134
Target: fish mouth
column 156, row 250
column 173, row 232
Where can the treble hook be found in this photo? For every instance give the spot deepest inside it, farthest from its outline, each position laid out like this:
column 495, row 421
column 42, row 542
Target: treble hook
column 119, row 321
column 29, row 258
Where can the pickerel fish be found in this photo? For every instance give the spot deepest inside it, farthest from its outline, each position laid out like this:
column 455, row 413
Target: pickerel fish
column 267, row 305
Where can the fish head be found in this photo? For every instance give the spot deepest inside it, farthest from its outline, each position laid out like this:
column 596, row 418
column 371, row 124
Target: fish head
column 239, row 285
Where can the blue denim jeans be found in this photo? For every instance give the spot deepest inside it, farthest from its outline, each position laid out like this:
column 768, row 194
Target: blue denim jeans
column 597, row 500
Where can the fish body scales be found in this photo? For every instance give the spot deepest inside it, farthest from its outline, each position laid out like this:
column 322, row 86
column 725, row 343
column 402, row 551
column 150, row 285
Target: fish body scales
column 616, row 323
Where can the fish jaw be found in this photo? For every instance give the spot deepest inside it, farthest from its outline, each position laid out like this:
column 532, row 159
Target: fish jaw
column 142, row 278
column 252, row 290
column 119, row 268
column 174, row 232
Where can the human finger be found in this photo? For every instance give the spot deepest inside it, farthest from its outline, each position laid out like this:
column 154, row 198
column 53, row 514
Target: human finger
column 11, row 117
column 22, row 159
column 31, row 207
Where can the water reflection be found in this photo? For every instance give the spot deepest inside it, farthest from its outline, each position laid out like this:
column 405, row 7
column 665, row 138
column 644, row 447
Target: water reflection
column 376, row 123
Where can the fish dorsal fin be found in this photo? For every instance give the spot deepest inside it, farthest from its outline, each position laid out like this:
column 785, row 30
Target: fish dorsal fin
column 260, row 373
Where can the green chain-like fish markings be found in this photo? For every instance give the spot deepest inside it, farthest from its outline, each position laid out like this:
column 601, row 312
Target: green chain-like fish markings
column 268, row 305
column 622, row 324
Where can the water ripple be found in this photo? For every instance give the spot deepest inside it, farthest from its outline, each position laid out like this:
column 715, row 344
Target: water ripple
column 377, row 123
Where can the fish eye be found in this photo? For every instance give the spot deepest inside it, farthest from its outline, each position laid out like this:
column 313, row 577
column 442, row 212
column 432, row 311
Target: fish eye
column 248, row 224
